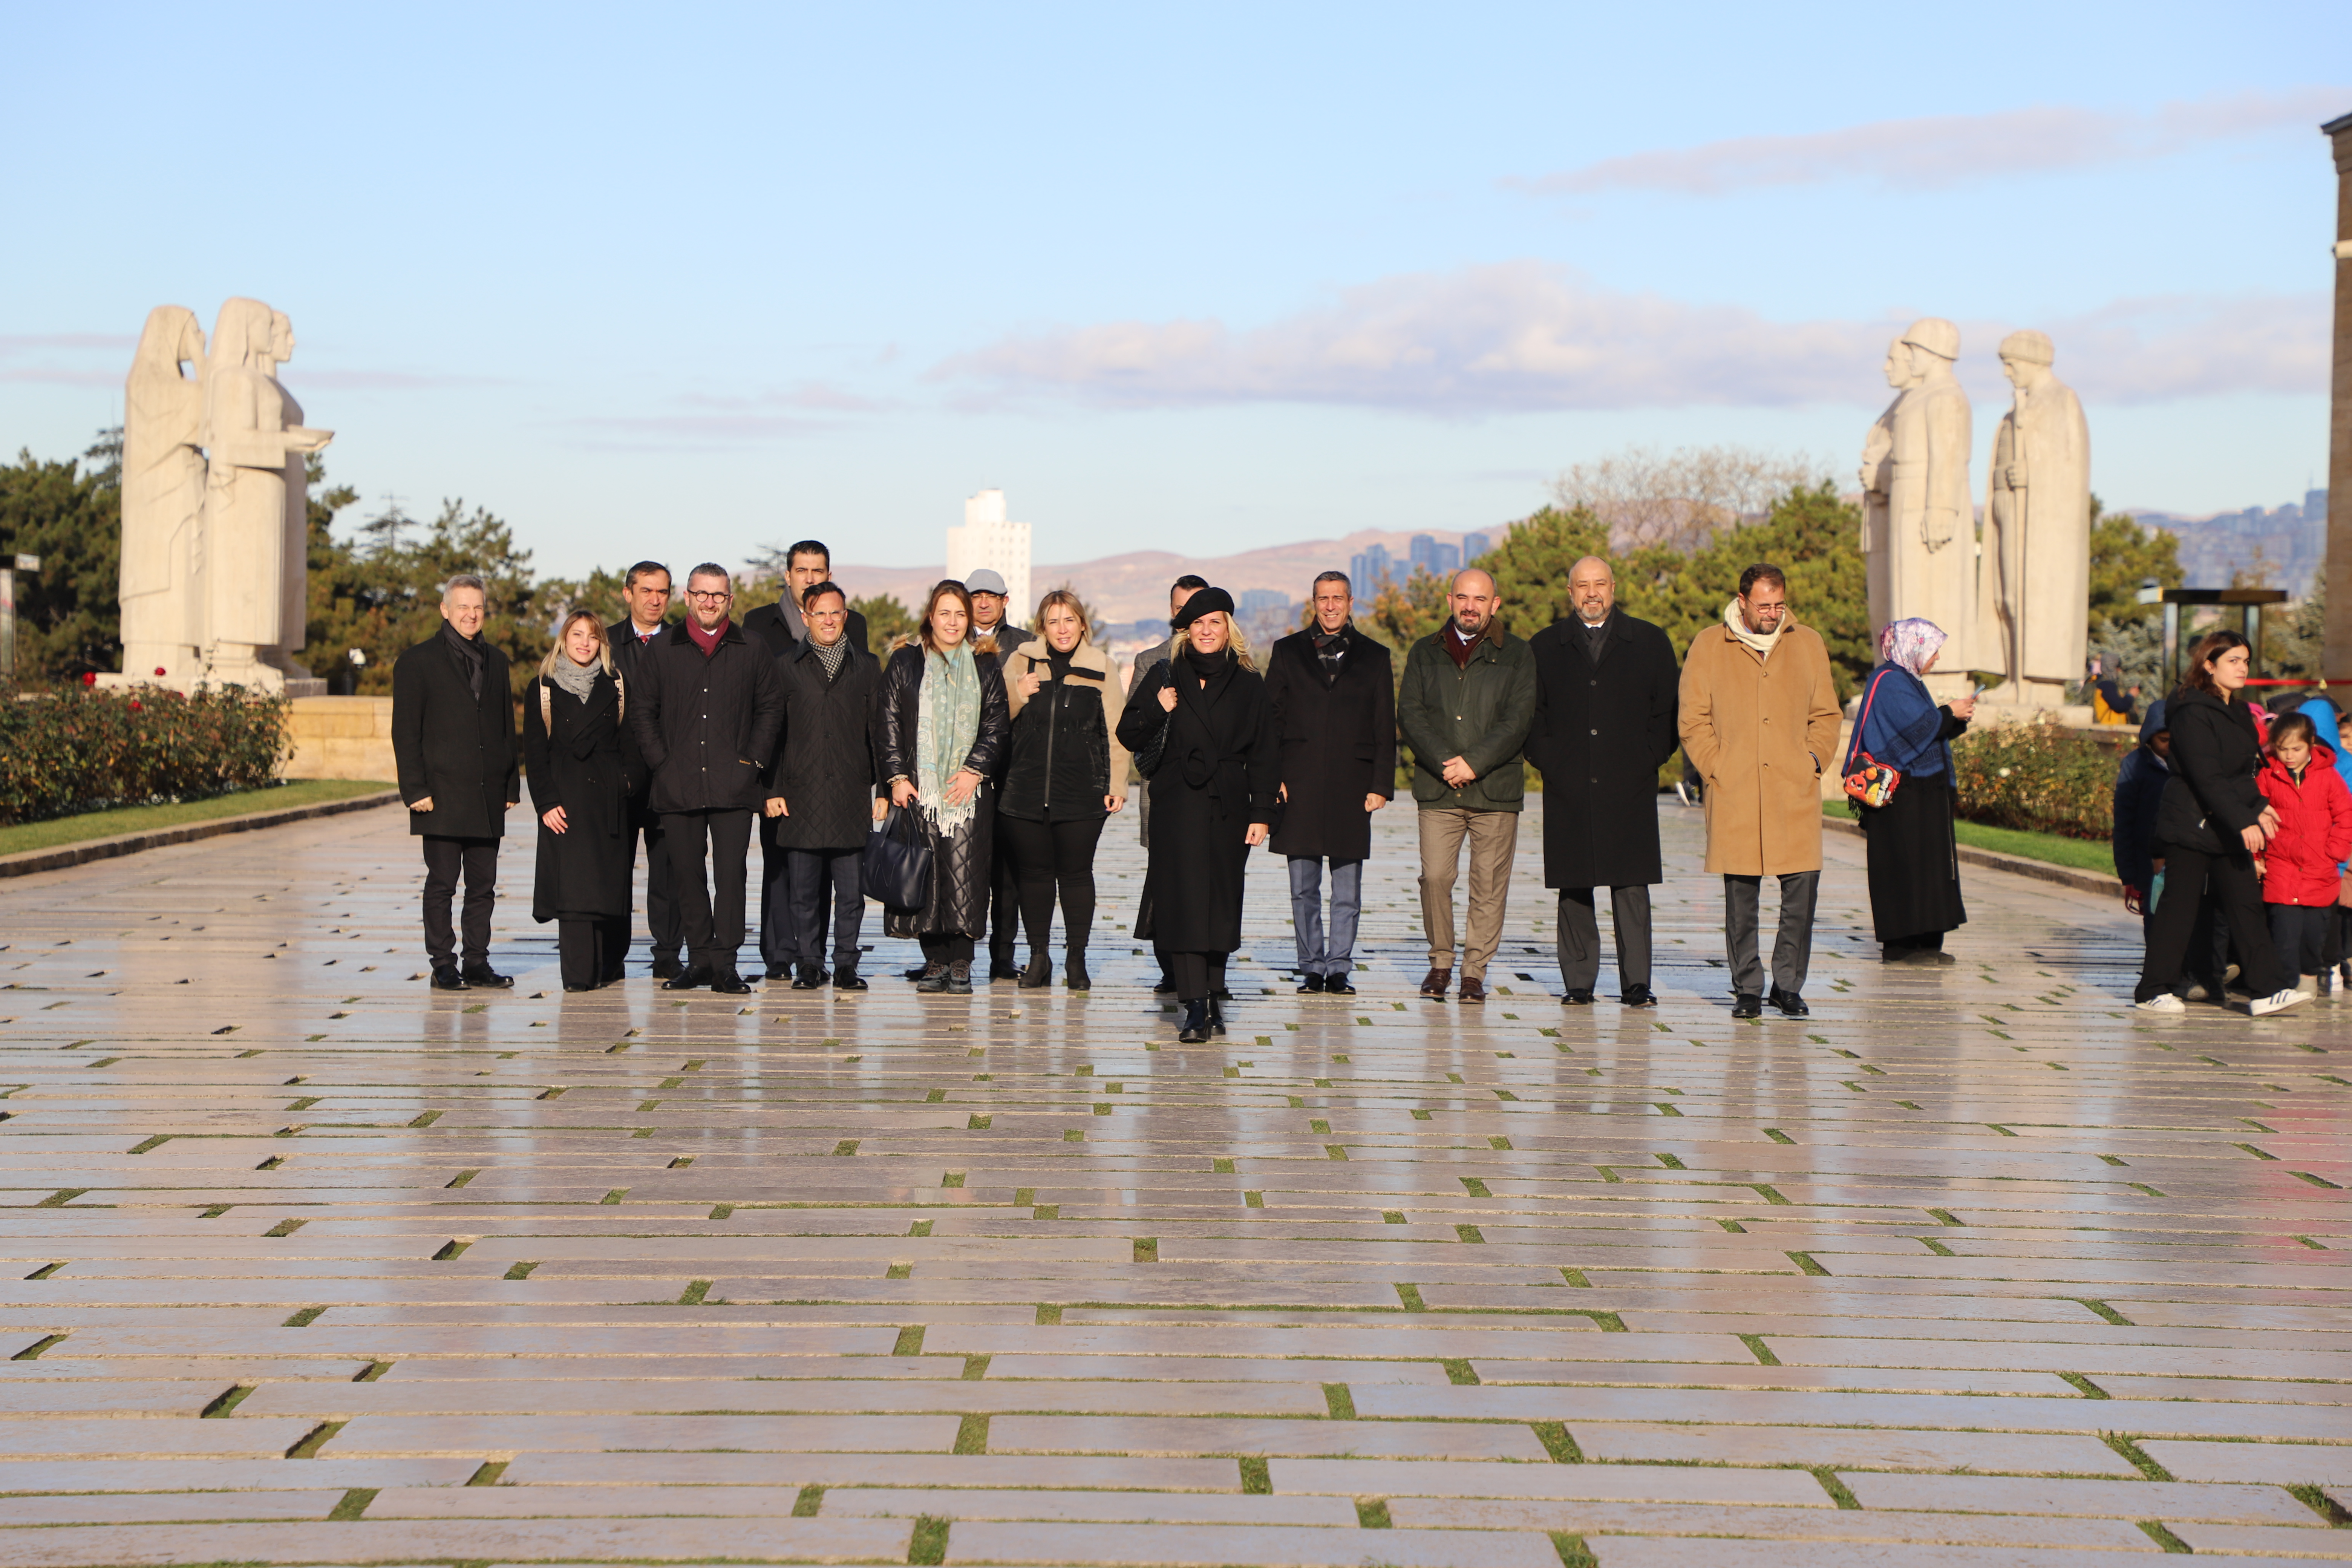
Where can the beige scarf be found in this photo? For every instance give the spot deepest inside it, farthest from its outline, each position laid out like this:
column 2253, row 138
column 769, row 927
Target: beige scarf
column 1762, row 642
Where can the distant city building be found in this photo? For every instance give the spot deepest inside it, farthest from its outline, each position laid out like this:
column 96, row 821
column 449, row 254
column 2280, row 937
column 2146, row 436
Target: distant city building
column 1369, row 571
column 1254, row 600
column 1426, row 554
column 1265, row 614
column 2290, row 541
column 987, row 539
column 1473, row 545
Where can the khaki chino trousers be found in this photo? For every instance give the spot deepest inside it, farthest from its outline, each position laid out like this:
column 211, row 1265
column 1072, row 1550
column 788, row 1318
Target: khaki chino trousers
column 1493, row 835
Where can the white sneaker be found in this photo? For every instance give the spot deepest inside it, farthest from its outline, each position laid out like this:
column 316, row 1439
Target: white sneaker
column 2276, row 1002
column 2167, row 1002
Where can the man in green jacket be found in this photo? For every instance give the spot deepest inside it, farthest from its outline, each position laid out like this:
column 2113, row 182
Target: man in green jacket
column 1469, row 696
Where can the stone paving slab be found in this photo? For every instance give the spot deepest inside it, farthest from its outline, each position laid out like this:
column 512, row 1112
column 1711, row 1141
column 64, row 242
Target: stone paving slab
column 301, row 1262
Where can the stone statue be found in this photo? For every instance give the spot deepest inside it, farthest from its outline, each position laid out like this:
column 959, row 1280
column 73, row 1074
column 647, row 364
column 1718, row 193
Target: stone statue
column 214, row 582
column 2036, row 582
column 163, row 499
column 1877, row 478
column 1931, row 516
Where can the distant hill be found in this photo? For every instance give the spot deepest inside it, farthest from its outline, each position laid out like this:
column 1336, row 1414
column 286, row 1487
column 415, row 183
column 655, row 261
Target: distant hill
column 1134, row 586
column 2284, row 546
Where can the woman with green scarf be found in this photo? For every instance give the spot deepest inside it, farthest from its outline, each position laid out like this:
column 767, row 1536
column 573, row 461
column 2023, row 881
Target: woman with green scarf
column 943, row 722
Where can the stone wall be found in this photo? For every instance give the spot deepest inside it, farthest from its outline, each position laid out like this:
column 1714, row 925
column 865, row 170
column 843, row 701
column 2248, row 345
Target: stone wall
column 342, row 738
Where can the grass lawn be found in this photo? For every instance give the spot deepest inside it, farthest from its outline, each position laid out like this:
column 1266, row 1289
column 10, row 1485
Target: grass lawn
column 90, row 825
column 2082, row 854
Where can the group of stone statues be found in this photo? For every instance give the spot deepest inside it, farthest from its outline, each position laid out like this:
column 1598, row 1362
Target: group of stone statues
column 216, row 515
column 2017, row 601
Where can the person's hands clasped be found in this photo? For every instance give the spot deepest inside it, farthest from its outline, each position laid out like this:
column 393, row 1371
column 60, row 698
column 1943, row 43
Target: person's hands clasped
column 963, row 786
column 555, row 819
column 1458, row 774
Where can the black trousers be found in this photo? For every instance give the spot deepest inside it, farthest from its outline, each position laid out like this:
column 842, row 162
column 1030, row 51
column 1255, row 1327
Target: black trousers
column 809, row 876
column 1053, row 858
column 589, row 947
column 1577, row 941
column 2228, row 880
column 1198, row 976
column 946, row 947
column 780, row 935
column 663, row 922
column 1003, row 900
column 711, row 913
column 444, row 858
column 2299, row 934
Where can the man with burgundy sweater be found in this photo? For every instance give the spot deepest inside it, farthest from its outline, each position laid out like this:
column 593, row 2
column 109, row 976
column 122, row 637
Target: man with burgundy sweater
column 705, row 718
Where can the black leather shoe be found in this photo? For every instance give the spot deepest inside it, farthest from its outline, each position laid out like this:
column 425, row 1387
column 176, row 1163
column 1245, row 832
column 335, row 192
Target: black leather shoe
column 1216, row 1019
column 846, row 978
column 1310, row 985
column 1744, row 1005
column 1195, row 1031
column 446, row 978
column 1167, row 986
column 1577, row 997
column 808, row 977
column 1791, row 1006
column 569, row 986
column 958, row 978
column 1003, row 969
column 1336, row 985
column 687, row 980
column 918, row 972
column 1074, row 970
column 667, row 966
column 482, row 977
column 1639, row 996
column 1040, row 972
column 730, row 985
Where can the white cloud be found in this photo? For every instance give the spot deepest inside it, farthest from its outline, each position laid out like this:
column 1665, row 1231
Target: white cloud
column 1941, row 151
column 1524, row 335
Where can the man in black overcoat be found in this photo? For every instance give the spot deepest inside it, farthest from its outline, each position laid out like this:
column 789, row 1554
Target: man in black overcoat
column 821, row 801
column 780, row 625
column 452, row 741
column 1606, row 690
column 706, row 724
column 646, row 591
column 1334, row 705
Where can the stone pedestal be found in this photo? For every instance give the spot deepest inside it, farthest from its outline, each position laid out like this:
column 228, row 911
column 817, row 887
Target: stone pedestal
column 342, row 738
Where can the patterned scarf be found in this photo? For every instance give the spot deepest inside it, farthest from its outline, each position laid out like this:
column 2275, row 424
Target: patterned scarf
column 579, row 679
column 1910, row 644
column 831, row 655
column 947, row 722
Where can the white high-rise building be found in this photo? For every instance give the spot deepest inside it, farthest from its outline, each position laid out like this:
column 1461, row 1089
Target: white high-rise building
column 987, row 539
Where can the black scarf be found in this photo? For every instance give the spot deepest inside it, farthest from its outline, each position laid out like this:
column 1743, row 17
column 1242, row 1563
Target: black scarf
column 1331, row 649
column 468, row 652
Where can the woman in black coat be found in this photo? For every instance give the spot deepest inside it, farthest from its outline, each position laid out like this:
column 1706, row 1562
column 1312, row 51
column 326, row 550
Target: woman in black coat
column 1213, row 794
column 1066, row 772
column 2209, row 825
column 584, row 773
column 940, row 729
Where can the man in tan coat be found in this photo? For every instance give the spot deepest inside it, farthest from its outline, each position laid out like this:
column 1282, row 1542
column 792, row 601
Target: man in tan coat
column 1759, row 723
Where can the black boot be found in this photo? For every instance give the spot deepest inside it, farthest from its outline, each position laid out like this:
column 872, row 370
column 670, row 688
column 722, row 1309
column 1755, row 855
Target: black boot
column 1074, row 970
column 846, row 978
column 934, row 980
column 1195, row 1031
column 1216, row 1019
column 959, row 978
column 1039, row 973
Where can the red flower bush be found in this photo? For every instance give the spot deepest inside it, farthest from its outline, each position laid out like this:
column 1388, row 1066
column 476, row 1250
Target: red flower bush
column 79, row 749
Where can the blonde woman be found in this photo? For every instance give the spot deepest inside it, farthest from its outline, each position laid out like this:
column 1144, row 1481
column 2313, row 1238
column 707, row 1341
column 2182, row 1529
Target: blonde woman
column 939, row 729
column 583, row 773
column 1213, row 792
column 1066, row 775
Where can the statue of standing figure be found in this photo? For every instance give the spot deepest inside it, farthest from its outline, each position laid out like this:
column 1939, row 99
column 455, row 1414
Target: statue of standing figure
column 1925, row 534
column 215, row 514
column 2037, row 536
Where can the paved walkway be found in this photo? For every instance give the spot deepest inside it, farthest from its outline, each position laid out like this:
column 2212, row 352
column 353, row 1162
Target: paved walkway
column 313, row 1266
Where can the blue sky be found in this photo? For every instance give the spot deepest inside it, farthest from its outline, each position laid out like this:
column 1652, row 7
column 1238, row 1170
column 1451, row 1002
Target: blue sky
column 1198, row 278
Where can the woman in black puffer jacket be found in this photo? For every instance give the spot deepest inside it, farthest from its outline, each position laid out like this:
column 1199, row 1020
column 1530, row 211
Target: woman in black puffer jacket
column 1066, row 774
column 2210, row 823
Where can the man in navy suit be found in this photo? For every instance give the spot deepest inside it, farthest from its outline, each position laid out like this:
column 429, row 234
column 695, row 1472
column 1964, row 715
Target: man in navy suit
column 646, row 593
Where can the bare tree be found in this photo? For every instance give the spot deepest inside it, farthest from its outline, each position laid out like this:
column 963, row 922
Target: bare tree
column 1680, row 498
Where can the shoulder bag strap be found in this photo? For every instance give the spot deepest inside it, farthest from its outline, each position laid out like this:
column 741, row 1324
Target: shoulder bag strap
column 546, row 708
column 1855, row 748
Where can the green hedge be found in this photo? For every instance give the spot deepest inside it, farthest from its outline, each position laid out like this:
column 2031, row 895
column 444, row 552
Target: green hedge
column 80, row 749
column 2037, row 777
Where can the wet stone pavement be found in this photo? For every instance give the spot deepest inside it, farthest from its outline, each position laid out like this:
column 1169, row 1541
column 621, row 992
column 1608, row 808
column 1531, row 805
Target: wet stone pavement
column 308, row 1264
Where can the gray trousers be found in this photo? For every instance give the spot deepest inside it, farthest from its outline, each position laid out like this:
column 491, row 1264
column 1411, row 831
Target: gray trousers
column 1793, row 945
column 1579, row 940
column 1319, row 953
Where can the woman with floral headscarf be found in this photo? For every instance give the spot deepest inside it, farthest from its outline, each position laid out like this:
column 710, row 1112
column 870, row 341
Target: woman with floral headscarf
column 1914, row 866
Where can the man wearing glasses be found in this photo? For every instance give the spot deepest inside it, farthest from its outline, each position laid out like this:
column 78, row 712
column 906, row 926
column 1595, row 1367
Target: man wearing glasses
column 705, row 722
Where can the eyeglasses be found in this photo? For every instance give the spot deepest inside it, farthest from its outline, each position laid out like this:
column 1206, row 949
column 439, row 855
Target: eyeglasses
column 719, row 598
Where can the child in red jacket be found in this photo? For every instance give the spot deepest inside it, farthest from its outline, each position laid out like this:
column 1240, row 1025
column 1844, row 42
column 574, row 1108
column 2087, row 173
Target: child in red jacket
column 2301, row 862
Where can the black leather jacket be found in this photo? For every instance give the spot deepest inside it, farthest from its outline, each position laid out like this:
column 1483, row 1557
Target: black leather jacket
column 895, row 711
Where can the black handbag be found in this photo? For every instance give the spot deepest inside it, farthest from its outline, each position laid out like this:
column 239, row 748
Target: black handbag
column 1149, row 756
column 895, row 868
